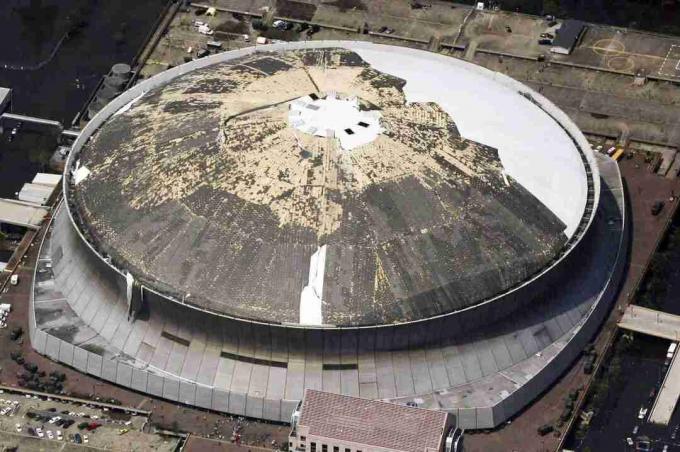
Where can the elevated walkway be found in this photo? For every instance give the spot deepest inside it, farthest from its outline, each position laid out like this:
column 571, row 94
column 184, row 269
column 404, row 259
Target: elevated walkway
column 34, row 120
column 652, row 322
column 666, row 326
column 23, row 214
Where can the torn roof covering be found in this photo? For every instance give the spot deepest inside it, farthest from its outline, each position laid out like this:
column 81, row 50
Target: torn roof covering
column 205, row 184
column 333, row 116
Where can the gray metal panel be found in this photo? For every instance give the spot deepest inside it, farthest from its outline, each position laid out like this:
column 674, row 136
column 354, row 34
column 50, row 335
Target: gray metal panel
column 467, row 417
column 454, row 365
column 139, row 380
column 420, row 370
column 387, row 386
column 208, row 369
column 438, row 374
column 220, row 400
column 279, row 344
column 40, row 341
column 124, row 375
column 271, row 409
column 194, row 356
column 241, row 380
column 485, row 418
column 470, row 361
column 331, row 381
column 176, row 359
column 170, row 388
column 259, row 378
column 287, row 409
column 349, row 382
column 204, row 396
column 295, row 379
column 224, row 373
column 80, row 359
column 154, row 385
column 237, row 403
column 52, row 349
column 500, row 352
column 368, row 378
column 254, row 406
column 487, row 361
column 109, row 369
column 313, row 373
column 94, row 364
column 66, row 353
column 402, row 373
column 276, row 384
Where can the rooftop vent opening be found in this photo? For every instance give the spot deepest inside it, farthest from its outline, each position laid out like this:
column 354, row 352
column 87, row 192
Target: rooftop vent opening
column 314, row 96
column 349, row 131
column 363, row 124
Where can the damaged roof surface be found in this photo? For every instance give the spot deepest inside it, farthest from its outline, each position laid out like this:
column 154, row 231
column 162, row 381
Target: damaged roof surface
column 203, row 190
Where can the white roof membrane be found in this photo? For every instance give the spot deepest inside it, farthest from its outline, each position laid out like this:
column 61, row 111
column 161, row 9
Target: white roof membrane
column 533, row 148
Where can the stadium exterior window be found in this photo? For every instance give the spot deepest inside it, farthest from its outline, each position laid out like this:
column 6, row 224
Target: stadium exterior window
column 303, row 438
column 324, row 448
column 312, row 447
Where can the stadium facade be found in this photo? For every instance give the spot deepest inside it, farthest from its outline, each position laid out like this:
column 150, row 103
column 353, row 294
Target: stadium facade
column 363, row 219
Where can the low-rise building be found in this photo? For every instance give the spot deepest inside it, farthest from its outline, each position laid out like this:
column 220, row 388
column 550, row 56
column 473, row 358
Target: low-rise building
column 327, row 422
column 567, row 36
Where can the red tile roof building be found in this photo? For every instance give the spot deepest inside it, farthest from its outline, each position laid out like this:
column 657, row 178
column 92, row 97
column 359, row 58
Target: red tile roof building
column 336, row 423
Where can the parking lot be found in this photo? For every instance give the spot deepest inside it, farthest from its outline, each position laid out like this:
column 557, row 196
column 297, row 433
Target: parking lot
column 77, row 423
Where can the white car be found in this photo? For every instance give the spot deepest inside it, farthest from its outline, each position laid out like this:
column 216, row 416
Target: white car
column 642, row 413
column 39, row 432
column 205, row 30
column 59, row 435
column 54, row 419
column 50, row 435
column 18, row 426
column 85, row 439
column 14, row 279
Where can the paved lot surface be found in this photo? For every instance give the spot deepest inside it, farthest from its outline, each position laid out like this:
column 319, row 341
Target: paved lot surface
column 628, row 51
column 117, row 430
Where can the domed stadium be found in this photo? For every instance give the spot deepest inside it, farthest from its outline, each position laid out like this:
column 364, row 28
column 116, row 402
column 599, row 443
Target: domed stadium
column 359, row 218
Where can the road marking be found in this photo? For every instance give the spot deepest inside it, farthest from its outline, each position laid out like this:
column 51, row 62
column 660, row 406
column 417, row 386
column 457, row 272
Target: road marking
column 673, row 54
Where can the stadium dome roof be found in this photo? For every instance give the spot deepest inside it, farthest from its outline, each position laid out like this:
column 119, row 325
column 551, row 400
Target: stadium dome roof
column 346, row 185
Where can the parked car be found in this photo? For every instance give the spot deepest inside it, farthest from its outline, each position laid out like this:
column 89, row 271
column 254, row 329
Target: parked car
column 642, row 413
